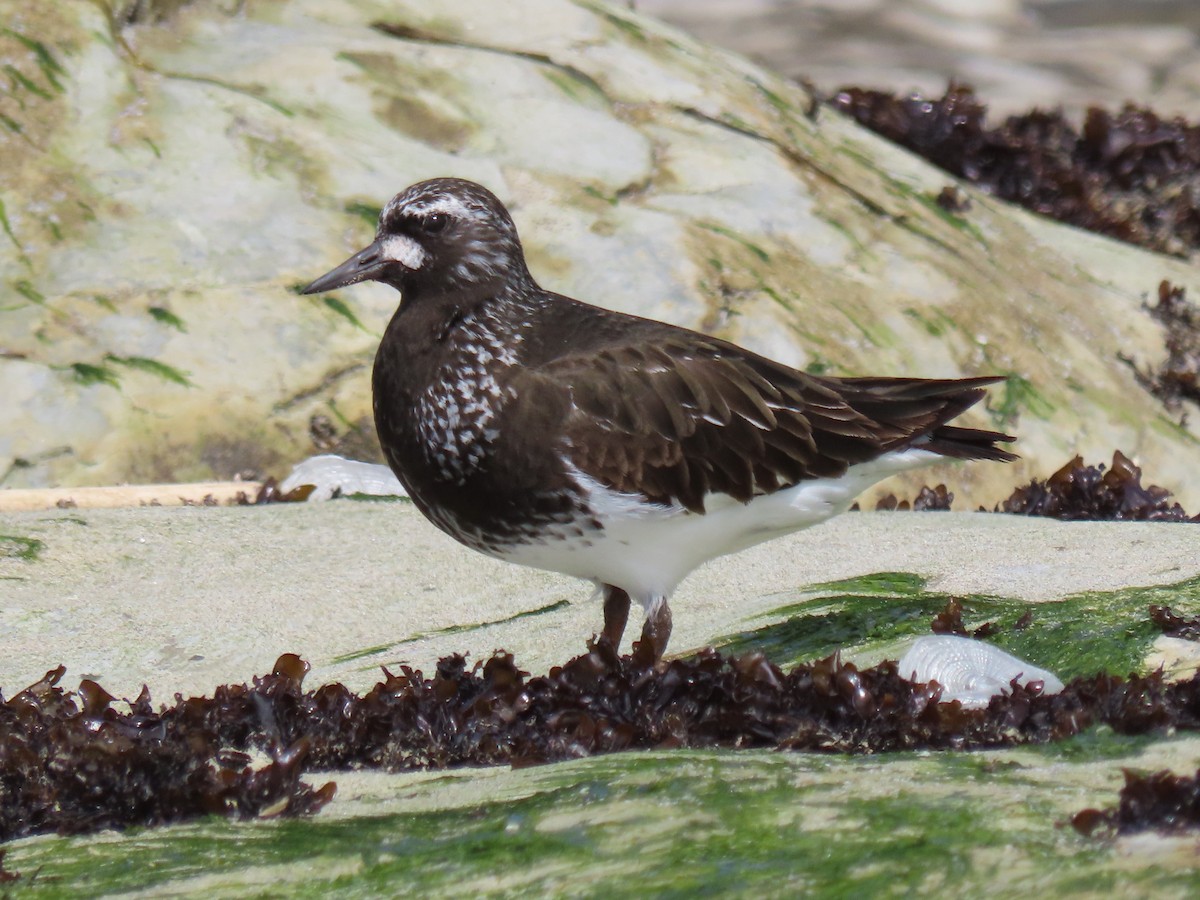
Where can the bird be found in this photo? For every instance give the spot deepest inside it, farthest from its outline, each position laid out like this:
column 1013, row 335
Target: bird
column 552, row 433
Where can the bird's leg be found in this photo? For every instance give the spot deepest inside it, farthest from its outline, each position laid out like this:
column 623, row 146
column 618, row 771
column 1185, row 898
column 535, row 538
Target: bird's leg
column 657, row 630
column 616, row 614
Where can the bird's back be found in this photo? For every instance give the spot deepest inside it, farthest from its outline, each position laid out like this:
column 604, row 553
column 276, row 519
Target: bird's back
column 676, row 415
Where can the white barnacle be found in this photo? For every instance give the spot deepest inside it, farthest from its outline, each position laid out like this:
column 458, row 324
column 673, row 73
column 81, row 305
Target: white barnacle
column 970, row 671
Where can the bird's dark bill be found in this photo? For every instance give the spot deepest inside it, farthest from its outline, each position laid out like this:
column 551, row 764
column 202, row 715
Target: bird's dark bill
column 365, row 265
column 389, row 259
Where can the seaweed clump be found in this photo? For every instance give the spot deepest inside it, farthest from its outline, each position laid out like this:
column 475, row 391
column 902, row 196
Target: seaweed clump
column 1076, row 492
column 1178, row 376
column 1133, row 175
column 950, row 621
column 1174, row 625
column 70, row 762
column 1159, row 801
column 1082, row 492
column 928, row 499
column 269, row 492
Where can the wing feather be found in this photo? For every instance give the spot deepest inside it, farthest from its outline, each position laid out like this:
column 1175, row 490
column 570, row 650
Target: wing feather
column 674, row 416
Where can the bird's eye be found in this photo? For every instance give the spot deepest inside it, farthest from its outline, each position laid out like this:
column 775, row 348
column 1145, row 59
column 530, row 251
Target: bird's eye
column 434, row 223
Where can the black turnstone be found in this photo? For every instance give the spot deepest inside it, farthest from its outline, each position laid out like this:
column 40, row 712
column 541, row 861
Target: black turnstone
column 555, row 434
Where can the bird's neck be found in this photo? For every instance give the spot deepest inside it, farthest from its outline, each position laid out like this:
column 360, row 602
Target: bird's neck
column 442, row 383
column 466, row 315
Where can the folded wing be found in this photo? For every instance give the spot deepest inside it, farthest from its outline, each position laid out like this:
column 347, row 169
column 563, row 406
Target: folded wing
column 675, row 419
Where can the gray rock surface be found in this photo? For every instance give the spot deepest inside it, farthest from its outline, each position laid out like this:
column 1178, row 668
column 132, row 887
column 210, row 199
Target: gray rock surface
column 184, row 599
column 172, row 173
column 1016, row 53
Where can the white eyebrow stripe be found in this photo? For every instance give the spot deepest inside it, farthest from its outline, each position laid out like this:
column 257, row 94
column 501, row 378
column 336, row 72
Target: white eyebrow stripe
column 451, row 206
column 404, row 250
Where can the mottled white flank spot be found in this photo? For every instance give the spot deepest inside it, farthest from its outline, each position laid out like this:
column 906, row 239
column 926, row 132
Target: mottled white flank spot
column 456, row 414
column 970, row 672
column 647, row 549
column 404, row 250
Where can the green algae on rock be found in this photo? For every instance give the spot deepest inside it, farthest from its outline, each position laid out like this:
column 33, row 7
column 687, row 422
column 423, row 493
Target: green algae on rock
column 664, row 822
column 13, row 546
column 868, row 618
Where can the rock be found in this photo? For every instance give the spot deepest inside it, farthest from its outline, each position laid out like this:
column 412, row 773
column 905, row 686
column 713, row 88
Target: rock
column 1017, row 53
column 173, row 172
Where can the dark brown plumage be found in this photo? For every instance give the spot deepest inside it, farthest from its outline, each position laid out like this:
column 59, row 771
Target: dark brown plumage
column 549, row 432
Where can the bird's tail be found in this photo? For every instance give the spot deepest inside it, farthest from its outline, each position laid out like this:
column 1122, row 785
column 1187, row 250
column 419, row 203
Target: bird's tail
column 930, row 405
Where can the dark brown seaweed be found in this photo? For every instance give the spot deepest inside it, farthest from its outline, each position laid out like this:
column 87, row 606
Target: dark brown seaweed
column 1160, row 801
column 1081, row 492
column 70, row 762
column 1132, row 175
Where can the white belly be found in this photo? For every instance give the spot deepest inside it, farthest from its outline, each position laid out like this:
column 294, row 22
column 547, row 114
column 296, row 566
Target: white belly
column 647, row 550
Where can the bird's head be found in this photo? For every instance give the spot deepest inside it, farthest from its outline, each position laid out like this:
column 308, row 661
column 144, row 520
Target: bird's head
column 446, row 234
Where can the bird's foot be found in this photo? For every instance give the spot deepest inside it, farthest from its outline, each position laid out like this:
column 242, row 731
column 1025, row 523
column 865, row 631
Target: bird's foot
column 616, row 614
column 655, row 635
